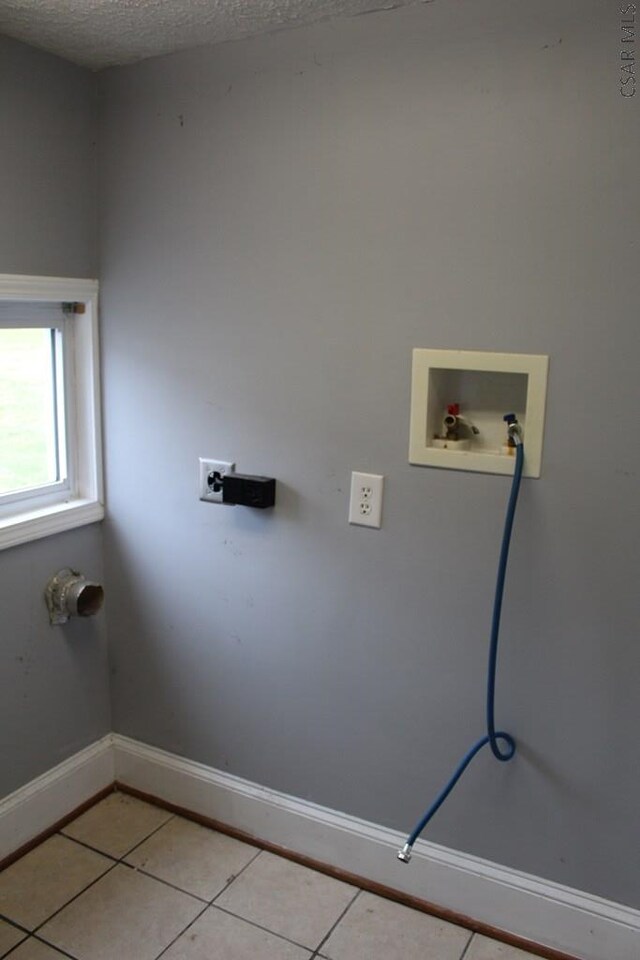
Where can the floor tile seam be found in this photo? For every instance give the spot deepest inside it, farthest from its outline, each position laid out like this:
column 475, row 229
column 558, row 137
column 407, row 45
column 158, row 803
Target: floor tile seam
column 174, row 886
column 339, row 920
column 14, row 923
column 64, row 953
column 183, row 931
column 211, row 903
column 166, row 883
column 86, row 846
column 259, row 926
column 469, row 941
column 295, row 943
column 149, row 835
column 51, row 943
column 32, row 936
column 234, row 878
column 13, row 948
column 55, row 913
column 208, row 829
column 110, row 856
column 132, row 866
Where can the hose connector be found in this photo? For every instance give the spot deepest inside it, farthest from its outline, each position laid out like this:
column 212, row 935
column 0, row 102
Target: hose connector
column 405, row 853
column 514, row 430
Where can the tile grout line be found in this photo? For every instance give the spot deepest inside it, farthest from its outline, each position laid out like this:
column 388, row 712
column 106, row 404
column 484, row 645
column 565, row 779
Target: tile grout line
column 14, row 923
column 208, row 903
column 252, row 923
column 183, row 931
column 63, row 953
column 303, row 946
column 14, row 948
column 132, row 866
column 148, row 836
column 258, row 926
column 166, row 883
column 188, row 893
column 30, row 935
column 234, row 878
column 466, row 949
column 55, row 913
column 83, row 843
column 317, row 950
column 86, row 846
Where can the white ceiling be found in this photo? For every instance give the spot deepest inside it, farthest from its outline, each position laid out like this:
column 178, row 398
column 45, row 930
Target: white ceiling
column 102, row 33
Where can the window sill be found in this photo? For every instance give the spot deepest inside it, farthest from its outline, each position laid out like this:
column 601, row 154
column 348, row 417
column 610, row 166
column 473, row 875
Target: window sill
column 48, row 520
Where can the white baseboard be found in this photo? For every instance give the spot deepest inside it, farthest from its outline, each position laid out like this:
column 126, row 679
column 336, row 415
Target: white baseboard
column 538, row 910
column 34, row 808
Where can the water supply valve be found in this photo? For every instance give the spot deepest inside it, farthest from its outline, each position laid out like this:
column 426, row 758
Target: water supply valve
column 457, row 431
column 451, row 421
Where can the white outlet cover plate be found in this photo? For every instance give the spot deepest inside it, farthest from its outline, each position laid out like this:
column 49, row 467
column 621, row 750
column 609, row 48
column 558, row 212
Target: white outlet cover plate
column 365, row 504
column 207, row 467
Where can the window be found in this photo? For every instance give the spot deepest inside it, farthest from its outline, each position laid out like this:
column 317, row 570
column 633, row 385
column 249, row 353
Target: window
column 50, row 458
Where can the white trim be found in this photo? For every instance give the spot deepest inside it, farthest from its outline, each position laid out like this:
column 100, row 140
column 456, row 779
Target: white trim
column 48, row 520
column 538, row 910
column 24, row 287
column 85, row 502
column 34, row 808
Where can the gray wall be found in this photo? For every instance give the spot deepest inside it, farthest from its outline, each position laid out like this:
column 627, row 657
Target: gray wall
column 47, row 164
column 54, row 688
column 284, row 219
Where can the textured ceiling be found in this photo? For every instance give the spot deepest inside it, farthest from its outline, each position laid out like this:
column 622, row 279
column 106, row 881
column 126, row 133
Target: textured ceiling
column 102, row 33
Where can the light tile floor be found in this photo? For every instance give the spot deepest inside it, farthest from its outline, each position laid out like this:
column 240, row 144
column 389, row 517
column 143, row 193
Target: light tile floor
column 129, row 881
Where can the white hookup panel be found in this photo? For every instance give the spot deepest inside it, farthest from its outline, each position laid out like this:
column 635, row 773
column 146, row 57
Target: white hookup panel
column 365, row 505
column 488, row 385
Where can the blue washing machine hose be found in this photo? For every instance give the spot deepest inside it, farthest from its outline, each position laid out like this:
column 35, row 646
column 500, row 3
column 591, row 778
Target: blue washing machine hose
column 502, row 744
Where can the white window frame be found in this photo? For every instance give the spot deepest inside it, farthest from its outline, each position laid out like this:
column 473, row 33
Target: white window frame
column 80, row 499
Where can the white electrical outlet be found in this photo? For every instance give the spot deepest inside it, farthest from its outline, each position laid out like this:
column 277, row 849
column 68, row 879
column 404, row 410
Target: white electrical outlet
column 365, row 505
column 211, row 474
